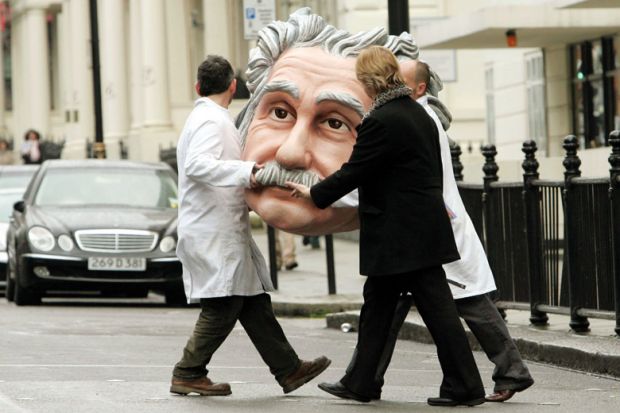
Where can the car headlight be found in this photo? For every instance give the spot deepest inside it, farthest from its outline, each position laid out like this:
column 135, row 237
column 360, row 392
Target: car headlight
column 167, row 244
column 41, row 238
column 65, row 242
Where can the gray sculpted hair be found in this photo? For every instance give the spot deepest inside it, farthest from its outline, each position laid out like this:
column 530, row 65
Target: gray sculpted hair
column 305, row 29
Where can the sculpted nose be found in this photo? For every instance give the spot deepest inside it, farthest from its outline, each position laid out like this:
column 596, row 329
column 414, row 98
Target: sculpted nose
column 293, row 153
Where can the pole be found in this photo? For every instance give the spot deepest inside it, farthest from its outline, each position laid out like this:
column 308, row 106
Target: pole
column 273, row 266
column 99, row 146
column 398, row 16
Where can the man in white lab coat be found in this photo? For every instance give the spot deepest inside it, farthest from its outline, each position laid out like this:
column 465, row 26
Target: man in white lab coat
column 223, row 268
column 472, row 271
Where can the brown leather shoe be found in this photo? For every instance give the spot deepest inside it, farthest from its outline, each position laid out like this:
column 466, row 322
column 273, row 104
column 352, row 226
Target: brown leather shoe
column 306, row 372
column 203, row 386
column 500, row 396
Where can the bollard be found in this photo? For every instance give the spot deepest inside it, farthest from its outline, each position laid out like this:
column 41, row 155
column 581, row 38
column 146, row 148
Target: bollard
column 571, row 163
column 531, row 198
column 614, row 197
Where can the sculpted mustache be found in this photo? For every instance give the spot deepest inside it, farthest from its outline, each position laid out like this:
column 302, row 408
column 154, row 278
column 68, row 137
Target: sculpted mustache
column 273, row 174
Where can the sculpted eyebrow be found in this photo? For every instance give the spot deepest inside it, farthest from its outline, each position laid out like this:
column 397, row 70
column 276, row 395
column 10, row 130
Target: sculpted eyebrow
column 283, row 86
column 344, row 99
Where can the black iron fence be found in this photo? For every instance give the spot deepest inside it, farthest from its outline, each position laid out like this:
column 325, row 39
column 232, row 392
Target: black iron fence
column 553, row 246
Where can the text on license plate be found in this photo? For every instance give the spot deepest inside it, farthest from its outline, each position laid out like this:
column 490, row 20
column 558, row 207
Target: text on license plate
column 117, row 264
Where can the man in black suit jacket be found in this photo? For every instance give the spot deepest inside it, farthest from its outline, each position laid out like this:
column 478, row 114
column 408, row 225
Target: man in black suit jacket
column 405, row 232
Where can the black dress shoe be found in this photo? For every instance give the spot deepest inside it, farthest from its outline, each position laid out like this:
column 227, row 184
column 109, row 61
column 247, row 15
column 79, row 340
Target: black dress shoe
column 446, row 401
column 337, row 389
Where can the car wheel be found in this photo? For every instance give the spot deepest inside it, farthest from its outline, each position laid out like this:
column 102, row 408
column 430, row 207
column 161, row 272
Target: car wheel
column 175, row 297
column 23, row 295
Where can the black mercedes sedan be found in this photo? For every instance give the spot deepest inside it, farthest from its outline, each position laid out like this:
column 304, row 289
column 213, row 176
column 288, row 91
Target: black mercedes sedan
column 100, row 226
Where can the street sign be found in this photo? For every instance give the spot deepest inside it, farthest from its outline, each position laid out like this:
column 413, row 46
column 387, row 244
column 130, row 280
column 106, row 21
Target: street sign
column 256, row 15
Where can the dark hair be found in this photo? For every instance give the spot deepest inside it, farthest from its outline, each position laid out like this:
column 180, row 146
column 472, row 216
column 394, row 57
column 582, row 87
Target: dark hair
column 36, row 134
column 214, row 75
column 422, row 73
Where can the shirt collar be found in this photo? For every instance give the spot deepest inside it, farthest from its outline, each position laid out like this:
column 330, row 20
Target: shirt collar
column 209, row 103
column 422, row 100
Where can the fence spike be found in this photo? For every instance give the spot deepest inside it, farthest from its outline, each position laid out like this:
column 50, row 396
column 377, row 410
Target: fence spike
column 457, row 166
column 530, row 164
column 490, row 167
column 614, row 158
column 571, row 161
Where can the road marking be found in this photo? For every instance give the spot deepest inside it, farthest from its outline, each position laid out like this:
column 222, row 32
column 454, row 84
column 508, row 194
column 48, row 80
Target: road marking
column 12, row 407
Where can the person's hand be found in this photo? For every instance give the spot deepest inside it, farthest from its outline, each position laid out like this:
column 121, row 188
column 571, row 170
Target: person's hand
column 299, row 190
column 253, row 182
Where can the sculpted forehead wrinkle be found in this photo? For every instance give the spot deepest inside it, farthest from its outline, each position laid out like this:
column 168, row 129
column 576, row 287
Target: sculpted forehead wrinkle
column 316, row 61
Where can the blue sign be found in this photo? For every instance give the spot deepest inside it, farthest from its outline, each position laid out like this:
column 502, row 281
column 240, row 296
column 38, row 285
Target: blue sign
column 250, row 13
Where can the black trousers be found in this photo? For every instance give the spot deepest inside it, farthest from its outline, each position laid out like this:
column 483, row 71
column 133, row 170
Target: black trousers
column 461, row 379
column 215, row 322
column 489, row 328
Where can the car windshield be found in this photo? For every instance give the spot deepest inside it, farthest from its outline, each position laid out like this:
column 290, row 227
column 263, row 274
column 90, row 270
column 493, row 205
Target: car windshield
column 148, row 188
column 7, row 198
column 15, row 179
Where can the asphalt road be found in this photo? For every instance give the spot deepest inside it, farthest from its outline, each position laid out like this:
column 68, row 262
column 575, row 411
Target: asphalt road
column 115, row 356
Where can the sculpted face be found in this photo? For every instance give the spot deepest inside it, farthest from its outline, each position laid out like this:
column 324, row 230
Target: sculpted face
column 306, row 121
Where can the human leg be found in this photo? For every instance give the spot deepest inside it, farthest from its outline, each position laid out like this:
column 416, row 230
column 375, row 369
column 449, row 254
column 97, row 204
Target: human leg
column 400, row 314
column 288, row 250
column 461, row 381
column 215, row 322
column 487, row 324
column 264, row 330
column 381, row 294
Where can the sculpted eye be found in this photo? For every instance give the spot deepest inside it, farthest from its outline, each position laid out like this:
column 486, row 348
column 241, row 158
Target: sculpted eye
column 280, row 113
column 337, row 124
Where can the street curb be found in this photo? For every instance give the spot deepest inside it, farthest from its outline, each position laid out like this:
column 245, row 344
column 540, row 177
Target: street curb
column 288, row 309
column 557, row 355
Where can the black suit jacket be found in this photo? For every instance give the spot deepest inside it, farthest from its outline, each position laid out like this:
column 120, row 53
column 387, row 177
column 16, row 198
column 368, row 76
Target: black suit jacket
column 396, row 165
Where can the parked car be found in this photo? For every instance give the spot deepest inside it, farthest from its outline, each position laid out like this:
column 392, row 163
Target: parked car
column 95, row 225
column 13, row 182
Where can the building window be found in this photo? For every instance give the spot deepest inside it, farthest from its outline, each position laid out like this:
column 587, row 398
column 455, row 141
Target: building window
column 595, row 71
column 490, row 101
column 535, row 89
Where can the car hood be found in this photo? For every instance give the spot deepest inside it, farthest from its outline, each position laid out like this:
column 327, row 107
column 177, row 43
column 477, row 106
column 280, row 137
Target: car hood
column 69, row 219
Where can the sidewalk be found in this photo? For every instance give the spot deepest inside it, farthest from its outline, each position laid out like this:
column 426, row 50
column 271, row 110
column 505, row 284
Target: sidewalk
column 303, row 292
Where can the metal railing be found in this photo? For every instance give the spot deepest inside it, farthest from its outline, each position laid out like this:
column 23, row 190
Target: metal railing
column 553, row 246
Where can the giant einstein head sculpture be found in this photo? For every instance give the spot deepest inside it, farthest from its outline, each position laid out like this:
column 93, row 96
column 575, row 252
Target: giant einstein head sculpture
column 300, row 119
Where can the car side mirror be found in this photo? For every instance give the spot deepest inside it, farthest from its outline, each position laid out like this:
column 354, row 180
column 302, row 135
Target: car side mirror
column 19, row 206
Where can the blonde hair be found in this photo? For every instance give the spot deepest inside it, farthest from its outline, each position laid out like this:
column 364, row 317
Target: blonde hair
column 378, row 70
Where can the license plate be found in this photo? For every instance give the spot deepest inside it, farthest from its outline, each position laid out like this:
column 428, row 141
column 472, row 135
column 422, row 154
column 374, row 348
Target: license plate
column 117, row 264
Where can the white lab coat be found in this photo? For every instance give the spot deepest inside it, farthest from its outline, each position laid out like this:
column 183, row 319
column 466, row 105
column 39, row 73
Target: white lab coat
column 215, row 245
column 473, row 268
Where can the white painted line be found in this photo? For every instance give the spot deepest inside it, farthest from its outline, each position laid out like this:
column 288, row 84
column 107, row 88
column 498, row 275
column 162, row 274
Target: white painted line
column 8, row 406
